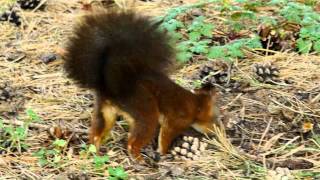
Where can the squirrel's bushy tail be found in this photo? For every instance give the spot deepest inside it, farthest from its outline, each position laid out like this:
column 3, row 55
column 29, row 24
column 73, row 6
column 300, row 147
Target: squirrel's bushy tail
column 110, row 51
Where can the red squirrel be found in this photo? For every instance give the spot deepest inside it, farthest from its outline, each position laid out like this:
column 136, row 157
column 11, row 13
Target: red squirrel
column 124, row 58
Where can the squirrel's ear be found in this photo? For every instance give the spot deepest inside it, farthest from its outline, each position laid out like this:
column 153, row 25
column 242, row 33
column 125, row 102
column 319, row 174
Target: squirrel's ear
column 207, row 89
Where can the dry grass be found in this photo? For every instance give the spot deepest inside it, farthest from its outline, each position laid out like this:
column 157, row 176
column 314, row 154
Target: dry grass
column 274, row 137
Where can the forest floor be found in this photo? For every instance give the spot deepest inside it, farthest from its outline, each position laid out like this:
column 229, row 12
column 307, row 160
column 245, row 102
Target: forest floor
column 269, row 95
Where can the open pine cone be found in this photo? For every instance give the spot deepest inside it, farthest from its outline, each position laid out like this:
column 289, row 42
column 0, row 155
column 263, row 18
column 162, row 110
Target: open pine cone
column 189, row 149
column 28, row 4
column 266, row 72
column 12, row 16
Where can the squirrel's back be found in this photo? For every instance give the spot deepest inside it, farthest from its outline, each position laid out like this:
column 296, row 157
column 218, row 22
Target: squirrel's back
column 110, row 51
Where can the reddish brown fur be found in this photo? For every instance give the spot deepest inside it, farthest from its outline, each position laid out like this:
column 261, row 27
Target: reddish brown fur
column 123, row 57
column 157, row 96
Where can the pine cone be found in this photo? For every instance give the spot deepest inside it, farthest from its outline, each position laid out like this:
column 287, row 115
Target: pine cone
column 189, row 149
column 12, row 16
column 28, row 4
column 6, row 93
column 266, row 72
column 210, row 75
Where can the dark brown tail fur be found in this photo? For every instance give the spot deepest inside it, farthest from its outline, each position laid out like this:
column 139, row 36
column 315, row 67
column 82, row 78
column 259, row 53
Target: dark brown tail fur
column 110, row 51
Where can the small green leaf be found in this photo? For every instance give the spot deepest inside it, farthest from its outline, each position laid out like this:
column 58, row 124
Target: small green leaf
column 60, row 143
column 9, row 130
column 42, row 162
column 32, row 115
column 118, row 172
column 99, row 161
column 57, row 159
column 21, row 132
column 40, row 153
column 92, row 148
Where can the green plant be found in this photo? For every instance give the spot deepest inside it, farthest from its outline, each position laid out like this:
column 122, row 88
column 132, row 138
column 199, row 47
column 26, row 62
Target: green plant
column 52, row 157
column 309, row 39
column 309, row 36
column 14, row 138
column 91, row 151
column 33, row 116
column 199, row 28
column 186, row 49
column 117, row 173
column 299, row 13
column 99, row 162
column 234, row 49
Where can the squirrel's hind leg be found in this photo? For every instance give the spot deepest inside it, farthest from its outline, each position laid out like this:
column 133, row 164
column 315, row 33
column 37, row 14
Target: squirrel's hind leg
column 102, row 123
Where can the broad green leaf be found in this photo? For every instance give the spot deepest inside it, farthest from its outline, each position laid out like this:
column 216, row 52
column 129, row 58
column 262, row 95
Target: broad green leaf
column 234, row 50
column 200, row 47
column 32, row 115
column 207, row 29
column 304, row 46
column 194, row 35
column 52, row 152
column 184, row 45
column 217, row 52
column 316, row 46
column 184, row 56
column 175, row 36
column 253, row 43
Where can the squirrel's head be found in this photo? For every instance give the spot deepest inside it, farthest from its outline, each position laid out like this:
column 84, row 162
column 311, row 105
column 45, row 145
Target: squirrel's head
column 208, row 111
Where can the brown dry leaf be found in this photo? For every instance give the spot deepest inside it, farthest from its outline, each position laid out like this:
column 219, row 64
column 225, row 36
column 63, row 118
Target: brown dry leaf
column 264, row 32
column 56, row 132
